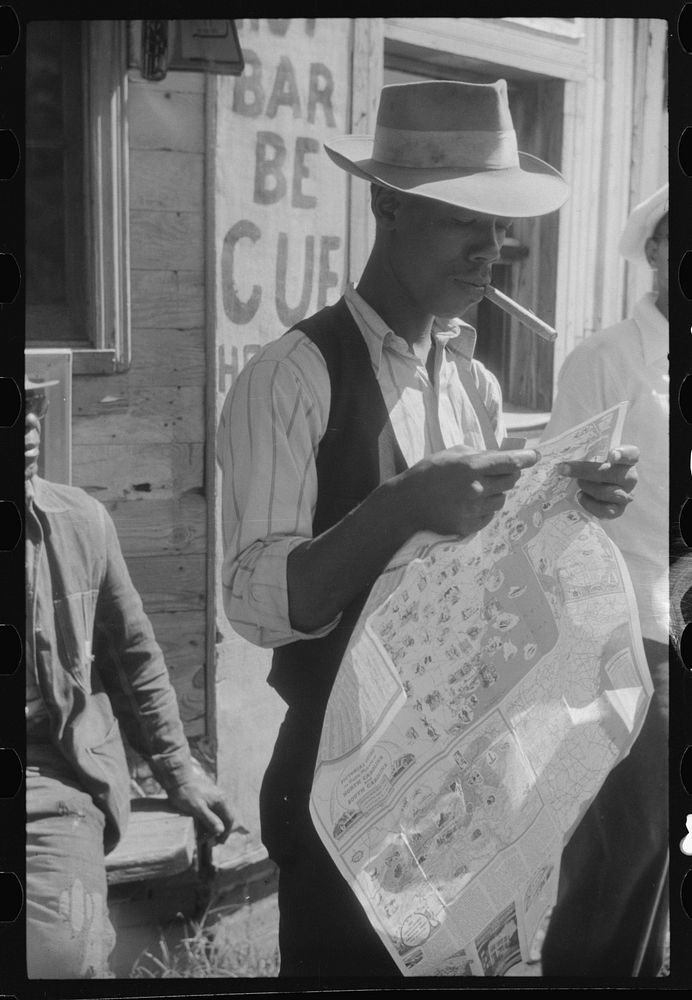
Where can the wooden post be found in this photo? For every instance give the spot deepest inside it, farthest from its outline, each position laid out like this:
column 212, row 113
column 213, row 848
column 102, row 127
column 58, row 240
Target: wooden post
column 649, row 133
column 581, row 158
column 277, row 250
column 617, row 158
column 211, row 472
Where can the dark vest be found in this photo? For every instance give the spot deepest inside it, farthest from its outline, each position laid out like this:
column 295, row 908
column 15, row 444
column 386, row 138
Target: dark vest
column 357, row 452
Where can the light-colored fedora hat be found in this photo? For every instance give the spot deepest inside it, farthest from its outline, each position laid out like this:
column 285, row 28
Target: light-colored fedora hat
column 34, row 382
column 641, row 225
column 452, row 142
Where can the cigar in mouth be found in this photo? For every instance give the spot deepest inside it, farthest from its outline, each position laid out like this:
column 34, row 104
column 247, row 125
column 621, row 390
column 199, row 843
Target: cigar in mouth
column 525, row 316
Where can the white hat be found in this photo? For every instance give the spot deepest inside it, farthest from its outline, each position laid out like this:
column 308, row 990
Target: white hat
column 452, row 142
column 36, row 382
column 641, row 225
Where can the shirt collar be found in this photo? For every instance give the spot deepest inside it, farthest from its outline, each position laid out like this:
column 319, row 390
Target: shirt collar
column 456, row 335
column 653, row 327
column 44, row 496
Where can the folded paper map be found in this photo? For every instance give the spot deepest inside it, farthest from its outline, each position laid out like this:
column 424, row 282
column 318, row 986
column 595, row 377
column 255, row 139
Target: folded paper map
column 490, row 686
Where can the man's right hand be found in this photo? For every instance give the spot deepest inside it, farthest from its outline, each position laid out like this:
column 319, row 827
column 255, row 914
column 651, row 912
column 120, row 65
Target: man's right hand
column 455, row 492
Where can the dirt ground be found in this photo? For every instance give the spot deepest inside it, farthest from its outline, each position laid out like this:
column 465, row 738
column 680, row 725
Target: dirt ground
column 263, row 926
column 243, row 941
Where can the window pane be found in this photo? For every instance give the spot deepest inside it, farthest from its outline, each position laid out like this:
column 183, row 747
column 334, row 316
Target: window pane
column 44, row 78
column 45, row 227
column 56, row 223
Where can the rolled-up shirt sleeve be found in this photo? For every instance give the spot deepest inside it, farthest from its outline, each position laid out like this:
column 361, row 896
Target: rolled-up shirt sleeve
column 269, row 431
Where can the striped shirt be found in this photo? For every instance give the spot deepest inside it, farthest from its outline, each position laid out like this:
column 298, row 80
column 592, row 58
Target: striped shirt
column 270, row 428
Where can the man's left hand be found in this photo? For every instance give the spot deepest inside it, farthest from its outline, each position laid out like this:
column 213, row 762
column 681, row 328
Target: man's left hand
column 206, row 803
column 606, row 487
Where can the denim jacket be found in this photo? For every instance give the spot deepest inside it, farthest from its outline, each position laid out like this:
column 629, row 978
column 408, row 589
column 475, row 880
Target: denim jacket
column 105, row 669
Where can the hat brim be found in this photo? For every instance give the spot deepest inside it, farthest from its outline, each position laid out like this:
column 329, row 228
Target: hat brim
column 33, row 384
column 530, row 189
column 641, row 225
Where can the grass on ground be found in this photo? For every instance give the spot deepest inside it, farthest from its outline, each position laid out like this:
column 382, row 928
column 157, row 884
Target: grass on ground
column 223, row 943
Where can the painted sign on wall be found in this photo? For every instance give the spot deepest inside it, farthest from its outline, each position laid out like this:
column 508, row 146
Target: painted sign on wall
column 280, row 202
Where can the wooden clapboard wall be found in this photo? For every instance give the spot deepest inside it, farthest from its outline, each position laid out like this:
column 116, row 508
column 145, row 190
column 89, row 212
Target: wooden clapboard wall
column 138, row 437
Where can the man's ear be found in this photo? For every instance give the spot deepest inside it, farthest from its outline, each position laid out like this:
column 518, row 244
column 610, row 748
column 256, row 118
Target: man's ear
column 384, row 203
column 651, row 251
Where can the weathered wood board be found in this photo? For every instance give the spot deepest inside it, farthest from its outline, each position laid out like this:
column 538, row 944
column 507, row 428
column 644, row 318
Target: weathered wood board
column 113, row 471
column 170, row 583
column 168, row 357
column 172, row 299
column 181, row 635
column 170, row 240
column 161, row 527
column 170, row 182
column 166, row 119
column 109, row 410
column 158, row 842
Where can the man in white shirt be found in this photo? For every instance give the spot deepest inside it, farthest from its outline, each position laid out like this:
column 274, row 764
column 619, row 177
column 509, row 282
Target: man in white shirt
column 367, row 423
column 611, row 914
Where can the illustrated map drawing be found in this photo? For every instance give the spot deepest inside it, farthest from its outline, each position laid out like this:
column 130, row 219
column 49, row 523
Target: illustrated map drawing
column 489, row 687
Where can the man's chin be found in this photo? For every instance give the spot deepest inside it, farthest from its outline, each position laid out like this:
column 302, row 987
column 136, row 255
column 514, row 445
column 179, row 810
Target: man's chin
column 467, row 295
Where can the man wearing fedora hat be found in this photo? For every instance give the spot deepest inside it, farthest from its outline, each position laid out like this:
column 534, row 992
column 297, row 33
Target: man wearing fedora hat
column 611, row 915
column 91, row 659
column 364, row 424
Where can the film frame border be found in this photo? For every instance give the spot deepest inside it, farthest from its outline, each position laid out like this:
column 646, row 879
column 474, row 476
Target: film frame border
column 680, row 167
column 12, row 935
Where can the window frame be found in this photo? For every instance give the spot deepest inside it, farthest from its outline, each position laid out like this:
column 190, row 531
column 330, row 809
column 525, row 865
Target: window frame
column 558, row 26
column 106, row 151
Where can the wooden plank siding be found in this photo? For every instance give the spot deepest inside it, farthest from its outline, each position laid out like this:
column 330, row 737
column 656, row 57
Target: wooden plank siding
column 139, row 437
column 167, row 299
column 182, row 636
column 165, row 240
column 137, row 412
column 152, row 527
column 138, row 469
column 168, row 357
column 165, row 183
column 170, row 583
column 164, row 118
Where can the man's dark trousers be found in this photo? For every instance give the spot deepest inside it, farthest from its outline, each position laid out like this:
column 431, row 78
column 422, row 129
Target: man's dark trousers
column 611, row 915
column 323, row 929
